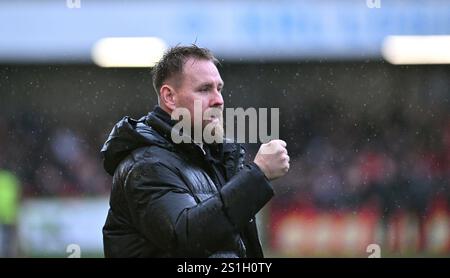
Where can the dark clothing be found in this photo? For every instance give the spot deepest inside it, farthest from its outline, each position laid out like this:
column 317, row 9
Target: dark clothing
column 179, row 200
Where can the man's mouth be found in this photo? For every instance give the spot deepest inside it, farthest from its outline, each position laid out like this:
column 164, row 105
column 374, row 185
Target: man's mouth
column 213, row 119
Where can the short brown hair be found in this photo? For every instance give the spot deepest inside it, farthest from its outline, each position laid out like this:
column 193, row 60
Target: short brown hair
column 172, row 62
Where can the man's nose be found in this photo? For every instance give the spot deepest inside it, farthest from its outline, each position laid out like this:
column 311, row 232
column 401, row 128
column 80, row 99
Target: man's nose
column 217, row 99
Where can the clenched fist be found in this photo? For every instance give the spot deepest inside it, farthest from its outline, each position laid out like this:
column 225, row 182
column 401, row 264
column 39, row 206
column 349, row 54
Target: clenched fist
column 273, row 159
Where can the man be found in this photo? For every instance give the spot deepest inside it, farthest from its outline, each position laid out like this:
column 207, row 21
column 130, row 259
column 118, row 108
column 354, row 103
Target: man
column 9, row 206
column 187, row 199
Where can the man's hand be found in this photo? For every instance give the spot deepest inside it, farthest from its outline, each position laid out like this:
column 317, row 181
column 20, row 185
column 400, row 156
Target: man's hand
column 273, row 159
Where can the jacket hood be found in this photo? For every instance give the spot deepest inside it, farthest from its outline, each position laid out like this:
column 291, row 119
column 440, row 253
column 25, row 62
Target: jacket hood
column 154, row 129
column 126, row 136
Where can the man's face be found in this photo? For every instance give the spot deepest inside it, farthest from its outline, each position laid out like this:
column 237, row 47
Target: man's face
column 200, row 82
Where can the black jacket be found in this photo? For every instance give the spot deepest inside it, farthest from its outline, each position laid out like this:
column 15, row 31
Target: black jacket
column 179, row 200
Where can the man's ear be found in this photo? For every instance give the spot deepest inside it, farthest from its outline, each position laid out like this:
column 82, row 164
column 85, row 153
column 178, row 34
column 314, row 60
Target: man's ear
column 167, row 97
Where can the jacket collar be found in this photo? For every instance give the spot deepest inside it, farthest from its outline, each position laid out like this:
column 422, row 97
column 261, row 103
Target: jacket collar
column 227, row 153
column 161, row 121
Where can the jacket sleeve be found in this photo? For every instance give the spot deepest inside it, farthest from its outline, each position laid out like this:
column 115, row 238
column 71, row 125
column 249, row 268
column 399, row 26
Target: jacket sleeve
column 169, row 216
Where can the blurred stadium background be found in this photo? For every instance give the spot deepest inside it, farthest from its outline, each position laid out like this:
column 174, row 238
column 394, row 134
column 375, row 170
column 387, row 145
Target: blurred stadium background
column 368, row 134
